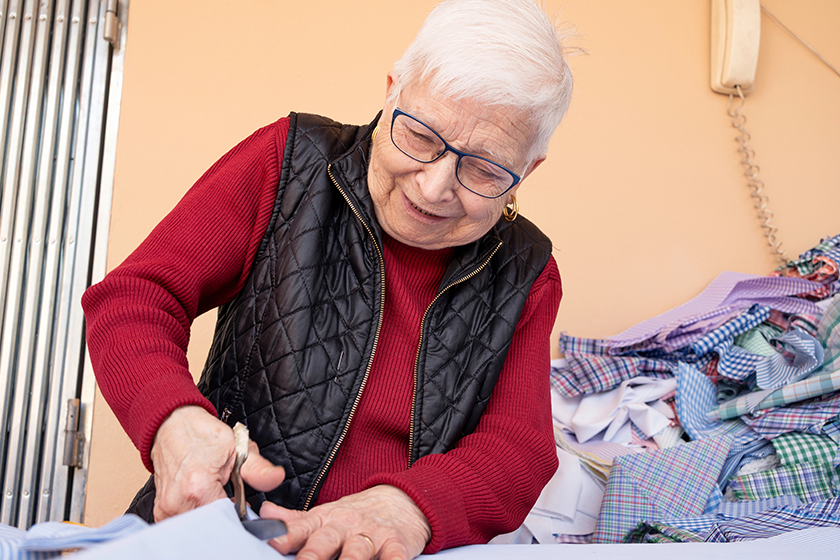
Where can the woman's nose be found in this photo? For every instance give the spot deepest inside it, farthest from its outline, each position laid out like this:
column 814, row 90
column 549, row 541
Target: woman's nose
column 439, row 181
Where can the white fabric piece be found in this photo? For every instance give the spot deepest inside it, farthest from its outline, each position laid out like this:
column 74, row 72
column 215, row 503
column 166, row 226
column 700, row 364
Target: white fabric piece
column 561, row 495
column 611, row 410
column 584, row 520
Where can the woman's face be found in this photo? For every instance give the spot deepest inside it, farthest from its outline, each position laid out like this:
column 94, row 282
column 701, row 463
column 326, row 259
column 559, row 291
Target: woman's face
column 423, row 204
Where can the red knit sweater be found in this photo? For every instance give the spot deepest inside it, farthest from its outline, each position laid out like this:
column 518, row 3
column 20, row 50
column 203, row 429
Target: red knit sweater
column 198, row 257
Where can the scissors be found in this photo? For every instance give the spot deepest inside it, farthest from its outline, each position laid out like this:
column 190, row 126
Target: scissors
column 263, row 529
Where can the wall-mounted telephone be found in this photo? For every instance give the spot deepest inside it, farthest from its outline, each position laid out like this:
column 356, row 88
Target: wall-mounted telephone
column 736, row 30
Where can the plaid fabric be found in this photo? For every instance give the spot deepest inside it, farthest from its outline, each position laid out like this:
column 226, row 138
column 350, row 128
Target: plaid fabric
column 741, row 454
column 809, row 481
column 657, row 532
column 777, row 521
column 576, row 346
column 809, row 416
column 573, row 539
column 696, row 528
column 590, row 370
column 796, row 447
column 819, row 264
column 736, row 510
column 695, row 396
column 675, row 482
column 815, row 386
column 832, row 430
column 828, row 333
column 752, row 317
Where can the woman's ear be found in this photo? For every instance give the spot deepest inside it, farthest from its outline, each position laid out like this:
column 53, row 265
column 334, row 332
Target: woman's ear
column 391, row 86
column 533, row 166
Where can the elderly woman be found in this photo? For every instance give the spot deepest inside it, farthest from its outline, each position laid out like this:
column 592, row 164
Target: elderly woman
column 385, row 312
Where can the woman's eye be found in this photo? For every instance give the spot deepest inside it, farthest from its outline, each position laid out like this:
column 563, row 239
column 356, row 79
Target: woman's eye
column 420, row 137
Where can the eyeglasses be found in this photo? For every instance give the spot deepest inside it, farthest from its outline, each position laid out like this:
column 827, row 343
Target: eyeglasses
column 421, row 143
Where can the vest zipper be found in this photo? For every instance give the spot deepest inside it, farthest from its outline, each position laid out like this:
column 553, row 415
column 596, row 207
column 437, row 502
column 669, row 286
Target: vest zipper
column 334, row 451
column 420, row 345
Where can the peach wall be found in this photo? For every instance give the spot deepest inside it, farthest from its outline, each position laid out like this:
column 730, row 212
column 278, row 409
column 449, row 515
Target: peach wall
column 642, row 192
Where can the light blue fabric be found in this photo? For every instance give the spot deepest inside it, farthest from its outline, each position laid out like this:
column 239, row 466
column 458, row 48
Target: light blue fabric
column 210, row 532
column 51, row 538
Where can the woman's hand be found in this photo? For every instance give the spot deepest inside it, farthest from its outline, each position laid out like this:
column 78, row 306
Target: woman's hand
column 381, row 522
column 193, row 455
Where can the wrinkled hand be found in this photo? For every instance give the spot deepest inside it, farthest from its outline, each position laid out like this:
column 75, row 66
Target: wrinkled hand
column 396, row 527
column 193, row 455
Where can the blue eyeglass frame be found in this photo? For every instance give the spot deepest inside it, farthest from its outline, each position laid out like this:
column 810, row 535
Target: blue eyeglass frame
column 448, row 148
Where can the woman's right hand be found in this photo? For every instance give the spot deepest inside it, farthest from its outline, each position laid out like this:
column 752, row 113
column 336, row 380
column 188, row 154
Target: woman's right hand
column 193, row 455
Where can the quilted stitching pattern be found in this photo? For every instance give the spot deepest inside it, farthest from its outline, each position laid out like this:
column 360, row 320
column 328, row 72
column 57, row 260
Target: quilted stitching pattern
column 308, row 315
column 291, row 350
column 468, row 336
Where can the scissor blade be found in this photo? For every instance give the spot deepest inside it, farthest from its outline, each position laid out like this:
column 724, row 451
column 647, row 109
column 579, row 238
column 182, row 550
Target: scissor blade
column 240, row 433
column 265, row 529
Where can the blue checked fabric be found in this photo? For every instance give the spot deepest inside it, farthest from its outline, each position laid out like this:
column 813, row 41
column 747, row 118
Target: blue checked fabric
column 752, row 317
column 741, row 454
column 776, row 521
column 699, row 526
column 696, row 395
column 51, row 539
column 769, row 519
column 675, row 482
column 809, row 416
column 736, row 510
column 810, row 482
column 735, row 362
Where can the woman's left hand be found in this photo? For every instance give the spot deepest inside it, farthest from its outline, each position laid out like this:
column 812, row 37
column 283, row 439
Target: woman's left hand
column 381, row 522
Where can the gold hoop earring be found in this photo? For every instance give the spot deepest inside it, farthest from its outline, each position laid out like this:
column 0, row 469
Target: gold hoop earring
column 375, row 132
column 511, row 211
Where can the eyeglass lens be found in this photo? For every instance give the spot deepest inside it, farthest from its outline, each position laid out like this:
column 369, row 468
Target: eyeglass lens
column 421, row 143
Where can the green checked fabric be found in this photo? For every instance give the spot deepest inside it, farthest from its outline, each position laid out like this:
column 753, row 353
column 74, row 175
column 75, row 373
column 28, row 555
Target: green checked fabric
column 797, row 447
column 811, row 482
column 756, row 340
column 656, row 532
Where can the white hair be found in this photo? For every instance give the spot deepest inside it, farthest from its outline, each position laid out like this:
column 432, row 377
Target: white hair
column 505, row 53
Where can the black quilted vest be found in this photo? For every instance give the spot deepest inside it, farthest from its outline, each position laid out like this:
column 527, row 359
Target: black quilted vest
column 292, row 351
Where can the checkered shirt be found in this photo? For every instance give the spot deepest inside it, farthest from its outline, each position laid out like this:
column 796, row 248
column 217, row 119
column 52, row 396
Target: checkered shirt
column 796, row 447
column 695, row 396
column 809, row 416
column 810, row 482
column 777, row 521
column 589, row 369
column 675, row 482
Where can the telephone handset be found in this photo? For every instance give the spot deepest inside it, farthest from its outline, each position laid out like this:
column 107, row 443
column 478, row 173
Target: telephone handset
column 736, row 30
